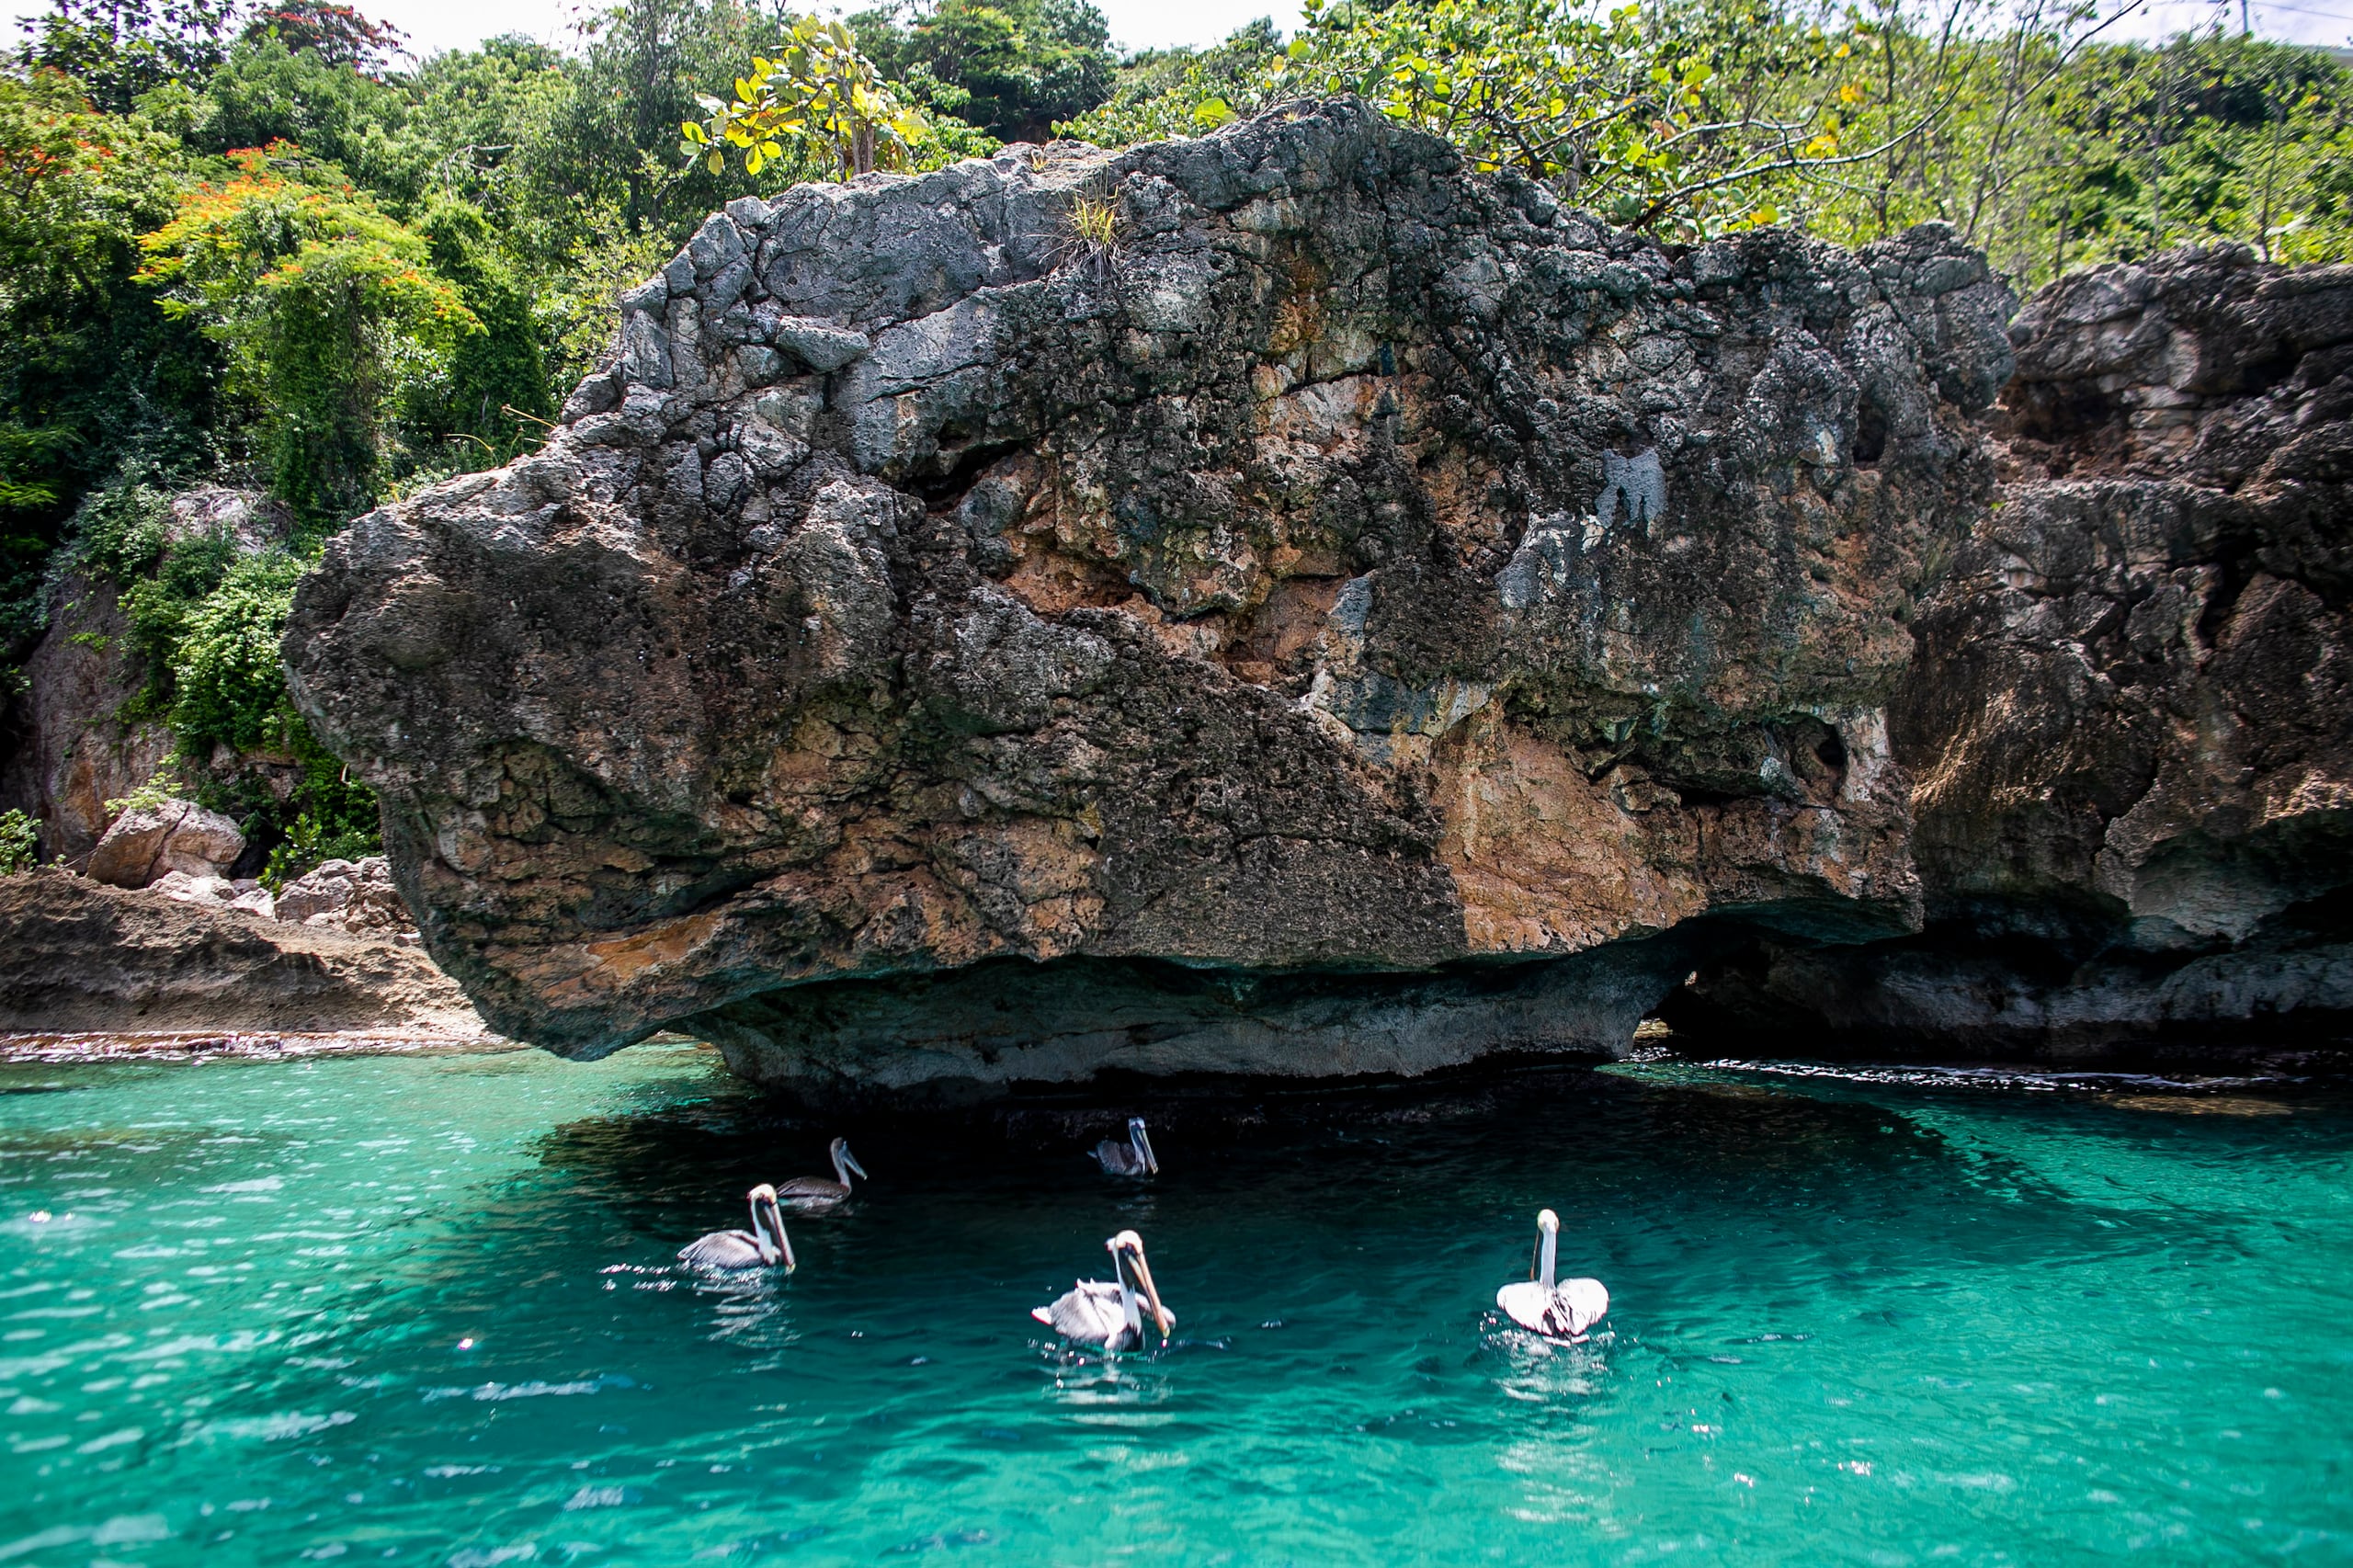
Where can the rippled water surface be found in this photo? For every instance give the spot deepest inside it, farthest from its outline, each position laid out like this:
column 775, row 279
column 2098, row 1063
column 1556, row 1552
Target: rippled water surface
column 423, row 1309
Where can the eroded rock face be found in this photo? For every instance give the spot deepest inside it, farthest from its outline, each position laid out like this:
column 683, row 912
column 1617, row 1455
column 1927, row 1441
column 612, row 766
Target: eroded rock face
column 2131, row 713
column 77, row 955
column 68, row 753
column 1367, row 617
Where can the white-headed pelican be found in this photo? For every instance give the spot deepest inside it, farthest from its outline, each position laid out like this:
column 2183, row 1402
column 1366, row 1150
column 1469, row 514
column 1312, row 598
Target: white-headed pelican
column 1133, row 1157
column 1096, row 1313
column 811, row 1195
column 762, row 1246
column 1562, row 1310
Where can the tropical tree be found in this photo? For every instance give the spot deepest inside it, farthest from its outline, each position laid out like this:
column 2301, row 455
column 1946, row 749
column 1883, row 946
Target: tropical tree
column 1018, row 65
column 325, row 304
column 822, row 99
column 120, row 49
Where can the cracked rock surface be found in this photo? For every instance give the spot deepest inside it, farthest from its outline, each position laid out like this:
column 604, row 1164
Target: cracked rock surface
column 1366, row 616
column 2131, row 717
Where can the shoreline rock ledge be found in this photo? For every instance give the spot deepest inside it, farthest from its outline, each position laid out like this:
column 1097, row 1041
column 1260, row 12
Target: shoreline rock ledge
column 1363, row 618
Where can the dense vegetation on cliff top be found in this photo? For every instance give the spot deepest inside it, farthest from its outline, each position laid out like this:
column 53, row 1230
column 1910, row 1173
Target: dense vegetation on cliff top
column 267, row 248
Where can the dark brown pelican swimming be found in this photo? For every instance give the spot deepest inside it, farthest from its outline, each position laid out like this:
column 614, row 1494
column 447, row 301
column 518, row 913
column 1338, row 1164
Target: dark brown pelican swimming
column 1096, row 1312
column 1562, row 1310
column 1133, row 1157
column 762, row 1246
column 815, row 1194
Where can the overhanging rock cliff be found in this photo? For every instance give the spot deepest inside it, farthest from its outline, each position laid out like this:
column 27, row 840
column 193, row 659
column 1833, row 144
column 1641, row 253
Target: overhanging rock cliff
column 2131, row 715
column 1364, row 617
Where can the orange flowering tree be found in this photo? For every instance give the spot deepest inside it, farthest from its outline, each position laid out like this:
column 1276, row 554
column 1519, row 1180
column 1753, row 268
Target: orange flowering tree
column 328, row 307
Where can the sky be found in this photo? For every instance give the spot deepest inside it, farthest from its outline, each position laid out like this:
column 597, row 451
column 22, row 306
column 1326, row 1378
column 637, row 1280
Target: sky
column 433, row 25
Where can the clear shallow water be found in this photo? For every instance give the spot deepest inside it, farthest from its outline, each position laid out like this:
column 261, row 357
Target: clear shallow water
column 1856, row 1322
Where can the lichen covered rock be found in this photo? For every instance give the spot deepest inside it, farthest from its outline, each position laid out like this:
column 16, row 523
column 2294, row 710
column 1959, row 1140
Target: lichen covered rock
column 935, row 650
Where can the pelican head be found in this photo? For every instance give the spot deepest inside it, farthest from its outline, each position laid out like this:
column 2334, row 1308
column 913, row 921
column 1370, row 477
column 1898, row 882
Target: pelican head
column 1142, row 1142
column 768, row 1227
column 845, row 1161
column 1548, row 1242
column 1129, row 1245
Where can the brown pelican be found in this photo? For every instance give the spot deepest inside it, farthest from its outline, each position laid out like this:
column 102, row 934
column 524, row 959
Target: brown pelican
column 1094, row 1312
column 814, row 1194
column 762, row 1246
column 1562, row 1310
column 1133, row 1157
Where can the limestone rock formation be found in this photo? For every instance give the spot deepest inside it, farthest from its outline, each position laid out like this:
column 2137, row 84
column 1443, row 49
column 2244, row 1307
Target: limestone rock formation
column 1363, row 616
column 64, row 749
column 77, row 955
column 2132, row 712
column 357, row 895
column 151, row 839
column 66, row 753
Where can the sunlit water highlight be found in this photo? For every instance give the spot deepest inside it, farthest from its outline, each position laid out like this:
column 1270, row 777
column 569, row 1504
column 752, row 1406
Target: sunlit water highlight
column 423, row 1309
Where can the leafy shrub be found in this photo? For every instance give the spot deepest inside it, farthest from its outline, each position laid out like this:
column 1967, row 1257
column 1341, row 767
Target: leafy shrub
column 229, row 687
column 164, row 784
column 19, row 842
column 313, row 841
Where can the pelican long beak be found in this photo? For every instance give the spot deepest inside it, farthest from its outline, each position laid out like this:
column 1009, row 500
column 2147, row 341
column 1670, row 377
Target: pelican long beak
column 851, row 1161
column 1152, row 1295
column 1143, row 1147
column 775, row 1218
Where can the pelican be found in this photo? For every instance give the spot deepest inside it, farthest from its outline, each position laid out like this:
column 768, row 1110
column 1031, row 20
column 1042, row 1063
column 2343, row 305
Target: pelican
column 1094, row 1312
column 755, row 1248
column 814, row 1194
column 1133, row 1157
column 1562, row 1310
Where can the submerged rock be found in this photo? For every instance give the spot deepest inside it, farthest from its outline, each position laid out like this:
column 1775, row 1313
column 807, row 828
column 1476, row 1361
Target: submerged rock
column 1365, row 616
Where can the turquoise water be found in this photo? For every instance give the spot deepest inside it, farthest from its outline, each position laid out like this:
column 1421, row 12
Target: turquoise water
column 422, row 1309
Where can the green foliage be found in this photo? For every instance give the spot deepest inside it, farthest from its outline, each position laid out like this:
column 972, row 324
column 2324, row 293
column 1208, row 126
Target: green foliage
column 264, row 93
column 158, row 788
column 311, row 841
column 326, row 304
column 1672, row 119
column 2018, row 124
column 1158, row 92
column 19, row 842
column 206, row 616
column 819, row 107
column 1017, row 66
column 336, row 34
column 92, row 373
column 229, row 689
column 496, row 381
column 123, row 50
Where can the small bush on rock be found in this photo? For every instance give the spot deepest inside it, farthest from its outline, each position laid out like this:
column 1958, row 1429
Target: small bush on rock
column 19, row 842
